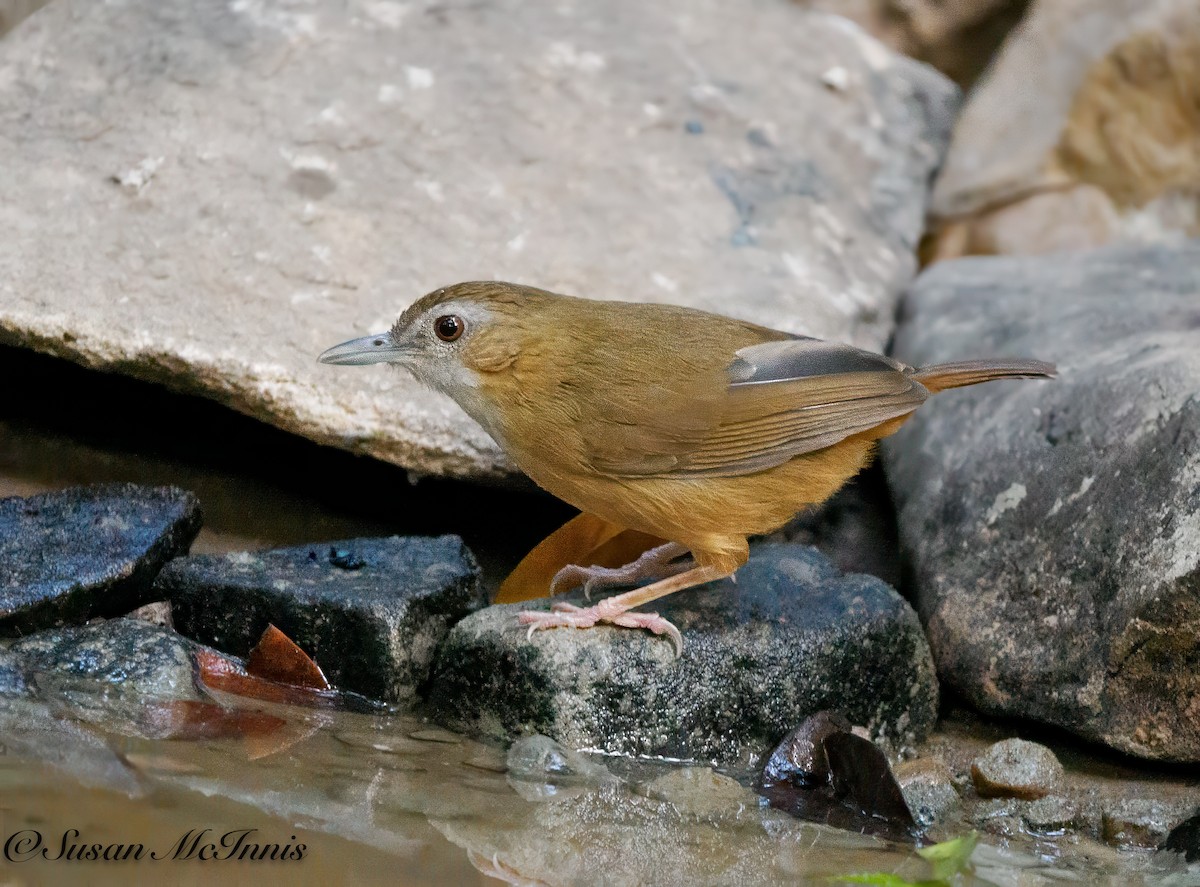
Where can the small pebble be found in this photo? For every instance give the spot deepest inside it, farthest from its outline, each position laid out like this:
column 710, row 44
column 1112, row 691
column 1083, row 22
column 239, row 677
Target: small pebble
column 1016, row 768
column 699, row 791
column 1051, row 815
column 928, row 787
column 1142, row 822
column 436, row 734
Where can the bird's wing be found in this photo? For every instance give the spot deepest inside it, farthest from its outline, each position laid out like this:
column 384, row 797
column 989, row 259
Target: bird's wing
column 782, row 399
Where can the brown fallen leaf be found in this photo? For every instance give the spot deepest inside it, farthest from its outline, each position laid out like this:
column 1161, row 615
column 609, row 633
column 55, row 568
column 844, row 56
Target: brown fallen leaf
column 277, row 658
column 189, row 719
column 223, row 673
column 586, row 540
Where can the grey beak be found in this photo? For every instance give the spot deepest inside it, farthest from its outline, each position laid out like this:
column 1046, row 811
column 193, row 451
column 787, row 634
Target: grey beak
column 380, row 348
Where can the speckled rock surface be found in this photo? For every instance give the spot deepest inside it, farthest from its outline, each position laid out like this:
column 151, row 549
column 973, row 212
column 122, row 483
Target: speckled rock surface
column 1143, row 822
column 1054, row 527
column 758, row 160
column 87, row 551
column 928, row 787
column 138, row 659
column 12, row 674
column 1016, row 768
column 790, row 638
column 370, row 611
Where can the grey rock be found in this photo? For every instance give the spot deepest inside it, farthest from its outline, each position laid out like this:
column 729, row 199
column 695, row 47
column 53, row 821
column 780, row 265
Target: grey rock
column 791, row 637
column 12, row 675
column 367, row 166
column 130, row 655
column 68, row 556
column 1052, row 814
column 1143, row 822
column 370, row 612
column 1016, row 768
column 928, row 788
column 1053, row 528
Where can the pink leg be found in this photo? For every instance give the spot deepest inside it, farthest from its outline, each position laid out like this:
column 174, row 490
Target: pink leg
column 615, row 610
column 654, row 564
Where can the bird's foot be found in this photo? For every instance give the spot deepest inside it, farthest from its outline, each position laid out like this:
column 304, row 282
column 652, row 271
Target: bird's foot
column 654, row 564
column 564, row 615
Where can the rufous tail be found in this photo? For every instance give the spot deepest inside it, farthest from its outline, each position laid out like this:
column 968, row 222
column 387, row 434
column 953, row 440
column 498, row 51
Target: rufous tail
column 941, row 376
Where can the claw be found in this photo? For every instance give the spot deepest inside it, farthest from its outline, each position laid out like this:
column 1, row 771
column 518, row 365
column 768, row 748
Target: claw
column 564, row 615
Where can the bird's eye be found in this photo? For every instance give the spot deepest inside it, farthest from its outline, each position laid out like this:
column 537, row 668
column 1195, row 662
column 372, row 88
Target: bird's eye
column 449, row 327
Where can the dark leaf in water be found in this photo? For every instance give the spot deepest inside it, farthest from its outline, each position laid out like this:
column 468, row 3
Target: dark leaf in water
column 189, row 719
column 276, row 658
column 800, row 757
column 1185, row 838
column 861, row 776
column 821, row 772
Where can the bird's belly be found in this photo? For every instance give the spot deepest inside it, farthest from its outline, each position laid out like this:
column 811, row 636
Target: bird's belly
column 693, row 510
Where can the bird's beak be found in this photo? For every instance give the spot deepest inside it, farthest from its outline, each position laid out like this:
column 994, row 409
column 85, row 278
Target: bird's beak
column 380, row 348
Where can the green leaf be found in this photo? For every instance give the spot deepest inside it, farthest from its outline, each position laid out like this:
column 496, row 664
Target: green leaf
column 950, row 857
column 885, row 879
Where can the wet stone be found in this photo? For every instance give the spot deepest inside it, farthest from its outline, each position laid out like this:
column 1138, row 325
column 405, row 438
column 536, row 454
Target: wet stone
column 1016, row 768
column 800, row 756
column 370, row 612
column 132, row 656
column 1051, row 815
column 700, row 792
column 928, row 788
column 540, row 759
column 791, row 637
column 72, row 555
column 1143, row 822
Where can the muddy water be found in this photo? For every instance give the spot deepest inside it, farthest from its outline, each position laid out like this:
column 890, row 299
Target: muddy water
column 372, row 799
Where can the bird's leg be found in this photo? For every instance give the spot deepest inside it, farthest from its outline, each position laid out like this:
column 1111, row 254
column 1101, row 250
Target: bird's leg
column 654, row 564
column 615, row 610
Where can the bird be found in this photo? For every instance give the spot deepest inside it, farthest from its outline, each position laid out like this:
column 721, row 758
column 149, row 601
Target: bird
column 692, row 427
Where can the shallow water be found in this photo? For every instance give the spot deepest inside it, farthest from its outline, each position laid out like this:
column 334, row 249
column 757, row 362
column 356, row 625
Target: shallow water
column 373, row 799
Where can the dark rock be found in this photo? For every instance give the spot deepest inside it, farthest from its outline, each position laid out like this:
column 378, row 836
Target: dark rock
column 1051, row 815
column 1053, row 528
column 1016, row 768
column 69, row 556
column 929, row 792
column 372, row 626
column 800, row 756
column 1185, row 838
column 139, row 659
column 1143, row 822
column 791, row 637
column 821, row 772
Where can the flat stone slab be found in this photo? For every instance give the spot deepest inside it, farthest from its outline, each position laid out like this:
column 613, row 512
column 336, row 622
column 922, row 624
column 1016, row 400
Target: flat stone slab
column 790, row 638
column 1054, row 527
column 371, row 612
column 68, row 556
column 258, row 181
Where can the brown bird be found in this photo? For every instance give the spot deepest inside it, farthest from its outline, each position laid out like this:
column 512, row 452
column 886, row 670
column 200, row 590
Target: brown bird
column 685, row 425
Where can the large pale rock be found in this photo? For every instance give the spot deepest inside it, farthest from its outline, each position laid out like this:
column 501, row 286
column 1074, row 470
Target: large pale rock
column 207, row 195
column 12, row 12
column 958, row 37
column 1053, row 528
column 1084, row 131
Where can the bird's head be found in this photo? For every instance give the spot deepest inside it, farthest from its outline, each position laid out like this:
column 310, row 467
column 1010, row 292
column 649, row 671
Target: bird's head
column 455, row 336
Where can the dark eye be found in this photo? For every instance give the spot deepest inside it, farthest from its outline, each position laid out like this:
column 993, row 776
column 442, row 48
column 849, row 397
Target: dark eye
column 449, row 327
